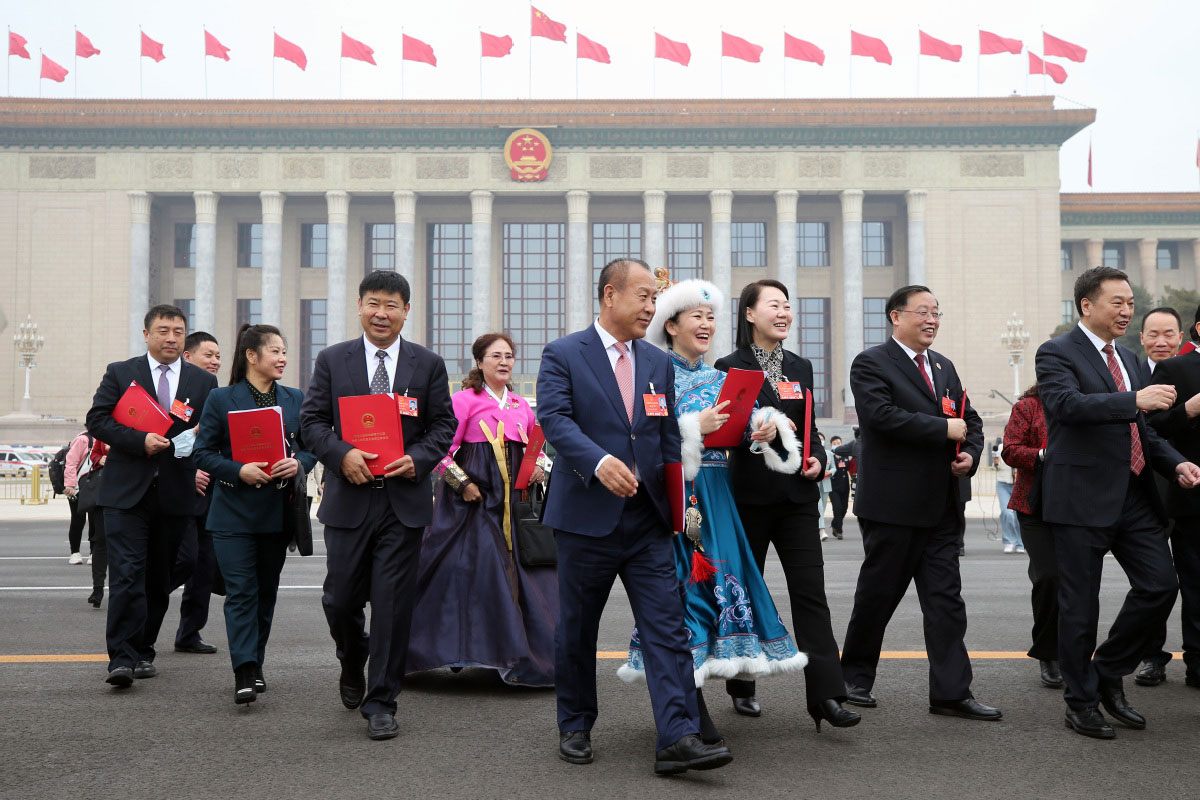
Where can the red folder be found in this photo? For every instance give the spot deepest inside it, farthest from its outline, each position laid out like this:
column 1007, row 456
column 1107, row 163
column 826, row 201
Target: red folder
column 808, row 412
column 741, row 389
column 676, row 495
column 257, row 435
column 962, row 413
column 529, row 462
column 138, row 410
column 371, row 422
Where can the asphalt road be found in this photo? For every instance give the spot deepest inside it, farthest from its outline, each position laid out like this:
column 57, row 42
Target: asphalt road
column 65, row 734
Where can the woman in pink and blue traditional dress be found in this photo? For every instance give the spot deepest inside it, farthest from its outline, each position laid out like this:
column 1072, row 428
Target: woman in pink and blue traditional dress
column 477, row 606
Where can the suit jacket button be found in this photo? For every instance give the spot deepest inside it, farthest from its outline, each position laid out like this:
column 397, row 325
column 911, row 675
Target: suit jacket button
column 633, row 436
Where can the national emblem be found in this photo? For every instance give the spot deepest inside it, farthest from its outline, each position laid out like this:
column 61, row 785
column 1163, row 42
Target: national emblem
column 527, row 153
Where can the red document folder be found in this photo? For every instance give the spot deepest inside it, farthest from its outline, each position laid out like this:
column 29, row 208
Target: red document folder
column 741, row 389
column 676, row 494
column 808, row 412
column 257, row 435
column 529, row 462
column 140, row 411
column 371, row 422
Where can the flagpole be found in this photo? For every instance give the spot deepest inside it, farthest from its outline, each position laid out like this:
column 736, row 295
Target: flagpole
column 401, row 62
column 204, row 60
column 576, row 62
column 76, row 63
column 273, row 60
column 531, row 50
column 8, row 66
column 341, row 58
column 978, row 64
column 1043, row 27
column 41, row 60
column 654, row 67
column 851, row 62
column 722, row 64
column 141, row 83
column 785, row 61
column 918, row 59
column 481, row 64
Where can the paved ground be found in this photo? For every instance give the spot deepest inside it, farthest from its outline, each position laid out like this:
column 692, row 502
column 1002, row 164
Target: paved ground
column 66, row 734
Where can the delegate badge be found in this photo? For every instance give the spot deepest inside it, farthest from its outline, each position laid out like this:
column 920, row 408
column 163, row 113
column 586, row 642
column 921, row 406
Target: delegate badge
column 182, row 410
column 789, row 390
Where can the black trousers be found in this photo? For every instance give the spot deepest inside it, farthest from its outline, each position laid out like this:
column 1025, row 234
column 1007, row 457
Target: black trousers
column 375, row 562
column 840, row 496
column 793, row 529
column 99, row 548
column 1185, row 549
column 1043, row 574
column 193, row 607
column 1139, row 543
column 897, row 555
column 75, row 529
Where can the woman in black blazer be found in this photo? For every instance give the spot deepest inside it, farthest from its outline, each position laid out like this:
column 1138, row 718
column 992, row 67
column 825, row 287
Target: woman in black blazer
column 246, row 514
column 781, row 509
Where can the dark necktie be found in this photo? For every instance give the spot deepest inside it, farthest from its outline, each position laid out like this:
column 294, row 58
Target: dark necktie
column 1137, row 459
column 379, row 381
column 164, row 387
column 920, row 359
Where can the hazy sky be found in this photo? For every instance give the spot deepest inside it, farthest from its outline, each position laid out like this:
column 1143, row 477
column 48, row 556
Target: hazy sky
column 1142, row 72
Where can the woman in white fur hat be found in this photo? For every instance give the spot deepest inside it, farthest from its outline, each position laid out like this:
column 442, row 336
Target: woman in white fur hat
column 734, row 628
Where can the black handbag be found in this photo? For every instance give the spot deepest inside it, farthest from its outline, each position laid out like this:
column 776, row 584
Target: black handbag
column 535, row 541
column 1034, row 497
column 297, row 524
column 88, row 492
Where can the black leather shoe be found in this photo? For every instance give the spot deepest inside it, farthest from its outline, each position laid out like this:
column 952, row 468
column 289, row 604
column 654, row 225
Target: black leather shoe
column 1151, row 673
column 382, row 726
column 838, row 535
column 575, row 747
column 1192, row 679
column 747, row 706
column 120, row 677
column 1089, row 722
column 95, row 597
column 858, row 696
column 967, row 708
column 1114, row 702
column 200, row 646
column 831, row 711
column 690, row 753
column 260, row 683
column 352, row 685
column 144, row 669
column 243, row 684
column 1051, row 675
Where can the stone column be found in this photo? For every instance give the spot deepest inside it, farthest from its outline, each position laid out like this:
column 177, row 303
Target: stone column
column 1148, row 256
column 139, row 269
column 406, row 234
column 205, row 318
column 336, row 232
column 1093, row 253
column 721, row 202
column 916, row 236
column 272, row 257
column 654, row 230
column 1195, row 265
column 579, row 283
column 785, row 253
column 481, row 263
column 852, row 291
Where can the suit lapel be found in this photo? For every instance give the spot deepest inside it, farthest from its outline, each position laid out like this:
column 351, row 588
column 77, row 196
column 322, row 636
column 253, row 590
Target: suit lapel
column 357, row 365
column 242, row 400
column 641, row 376
column 940, row 377
column 141, row 372
column 1132, row 367
column 1093, row 357
column 597, row 359
column 405, row 360
column 909, row 367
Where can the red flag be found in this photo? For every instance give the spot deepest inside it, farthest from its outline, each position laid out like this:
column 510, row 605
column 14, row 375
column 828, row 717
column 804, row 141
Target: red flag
column 84, row 47
column 802, row 50
column 737, row 47
column 214, row 48
column 291, row 52
column 671, row 50
column 152, row 49
column 416, row 50
column 1039, row 67
column 53, row 71
column 1089, row 163
column 1053, row 46
column 862, row 45
column 547, row 28
column 586, row 48
column 936, row 47
column 990, row 44
column 495, row 46
column 353, row 48
column 16, row 45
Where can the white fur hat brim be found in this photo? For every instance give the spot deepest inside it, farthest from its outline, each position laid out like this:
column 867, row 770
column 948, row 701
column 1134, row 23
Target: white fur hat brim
column 681, row 297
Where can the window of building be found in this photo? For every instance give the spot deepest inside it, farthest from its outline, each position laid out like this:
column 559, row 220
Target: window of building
column 1167, row 255
column 812, row 244
column 188, row 306
column 875, row 321
column 815, row 346
column 314, row 316
column 249, row 312
column 613, row 240
column 449, row 328
column 380, row 249
column 534, row 288
column 1113, row 255
column 1066, row 259
column 185, row 245
column 877, row 244
column 249, row 245
column 748, row 242
column 314, row 245
column 685, row 250
column 1068, row 312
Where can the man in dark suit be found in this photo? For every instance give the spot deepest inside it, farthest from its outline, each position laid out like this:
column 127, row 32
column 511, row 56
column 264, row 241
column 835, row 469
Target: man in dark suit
column 839, row 483
column 147, row 489
column 373, row 525
column 609, row 509
column 919, row 437
column 1098, row 496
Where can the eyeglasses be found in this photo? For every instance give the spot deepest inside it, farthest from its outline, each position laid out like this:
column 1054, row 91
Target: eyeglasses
column 934, row 315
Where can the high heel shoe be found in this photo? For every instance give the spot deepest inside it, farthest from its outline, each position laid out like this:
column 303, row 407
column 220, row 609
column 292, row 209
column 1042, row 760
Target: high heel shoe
column 747, row 706
column 831, row 711
column 95, row 597
column 243, row 677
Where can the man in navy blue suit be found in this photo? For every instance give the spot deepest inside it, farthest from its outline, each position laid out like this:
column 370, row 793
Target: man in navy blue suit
column 609, row 510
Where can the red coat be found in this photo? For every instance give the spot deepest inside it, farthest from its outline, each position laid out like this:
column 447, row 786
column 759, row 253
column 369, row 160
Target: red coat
column 1024, row 435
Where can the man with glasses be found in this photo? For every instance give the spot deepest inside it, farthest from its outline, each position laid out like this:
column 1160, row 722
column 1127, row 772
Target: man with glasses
column 919, row 437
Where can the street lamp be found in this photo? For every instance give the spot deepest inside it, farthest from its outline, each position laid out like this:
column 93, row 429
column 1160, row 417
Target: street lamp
column 28, row 342
column 1014, row 339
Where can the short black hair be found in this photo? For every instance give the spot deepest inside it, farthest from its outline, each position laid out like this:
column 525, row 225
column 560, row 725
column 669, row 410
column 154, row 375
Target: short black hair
column 835, row 438
column 1088, row 284
column 1195, row 336
column 1163, row 310
column 163, row 311
column 899, row 298
column 615, row 272
column 749, row 299
column 386, row 281
column 196, row 339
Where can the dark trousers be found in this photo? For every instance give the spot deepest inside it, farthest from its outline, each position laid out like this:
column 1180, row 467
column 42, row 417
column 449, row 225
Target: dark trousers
column 186, row 553
column 897, row 555
column 99, row 548
column 1043, row 574
column 1139, row 543
column 640, row 551
column 792, row 528
column 75, row 528
column 840, row 497
column 250, row 563
column 142, row 543
column 193, row 607
column 376, row 562
column 1185, row 549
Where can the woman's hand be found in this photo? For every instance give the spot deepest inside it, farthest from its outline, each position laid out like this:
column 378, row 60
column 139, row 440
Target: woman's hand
column 252, row 474
column 766, row 432
column 470, row 493
column 284, row 468
column 711, row 418
column 538, row 475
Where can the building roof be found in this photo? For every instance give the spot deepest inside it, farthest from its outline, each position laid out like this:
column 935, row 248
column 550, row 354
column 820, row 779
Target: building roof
column 1130, row 208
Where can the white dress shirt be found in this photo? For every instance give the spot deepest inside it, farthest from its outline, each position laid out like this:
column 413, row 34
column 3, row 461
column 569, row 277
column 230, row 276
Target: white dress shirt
column 912, row 356
column 1099, row 344
column 609, row 341
column 1151, row 363
column 389, row 363
column 173, row 371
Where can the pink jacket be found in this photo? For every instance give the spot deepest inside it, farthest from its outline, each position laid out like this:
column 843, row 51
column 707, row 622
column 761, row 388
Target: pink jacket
column 470, row 408
column 77, row 452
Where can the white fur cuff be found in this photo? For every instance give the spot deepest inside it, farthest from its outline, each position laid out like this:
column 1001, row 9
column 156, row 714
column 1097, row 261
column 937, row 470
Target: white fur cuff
column 787, row 438
column 693, row 444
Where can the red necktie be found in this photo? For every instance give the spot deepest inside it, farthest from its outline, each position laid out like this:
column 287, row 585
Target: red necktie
column 920, row 359
column 1137, row 460
column 624, row 372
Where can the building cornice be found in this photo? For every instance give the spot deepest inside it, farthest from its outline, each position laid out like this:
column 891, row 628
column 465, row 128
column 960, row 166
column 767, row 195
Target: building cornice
column 1130, row 208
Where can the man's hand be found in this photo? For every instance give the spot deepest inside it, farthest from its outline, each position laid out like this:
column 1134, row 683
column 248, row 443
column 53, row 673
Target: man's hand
column 617, row 478
column 155, row 444
column 956, row 429
column 284, row 468
column 962, row 464
column 712, row 418
column 538, row 475
column 253, row 474
column 202, row 480
column 1156, row 397
column 354, row 466
column 812, row 468
column 1188, row 474
column 471, row 493
column 402, row 467
column 1192, row 406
